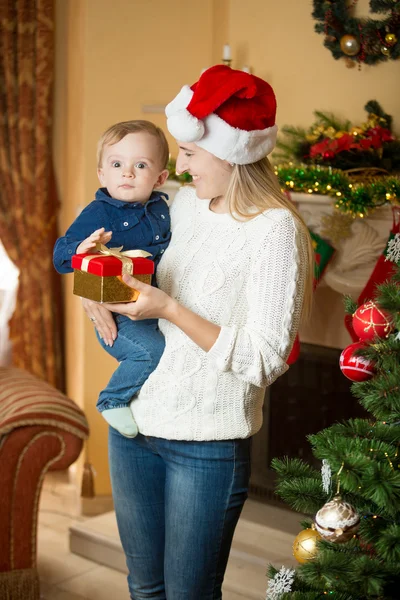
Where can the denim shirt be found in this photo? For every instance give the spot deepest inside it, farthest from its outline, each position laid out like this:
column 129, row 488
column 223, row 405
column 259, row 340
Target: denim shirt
column 133, row 225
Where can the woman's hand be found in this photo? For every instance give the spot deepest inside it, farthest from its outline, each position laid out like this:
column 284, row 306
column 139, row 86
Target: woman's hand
column 151, row 304
column 156, row 304
column 102, row 319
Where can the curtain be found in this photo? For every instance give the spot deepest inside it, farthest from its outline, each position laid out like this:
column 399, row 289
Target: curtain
column 28, row 205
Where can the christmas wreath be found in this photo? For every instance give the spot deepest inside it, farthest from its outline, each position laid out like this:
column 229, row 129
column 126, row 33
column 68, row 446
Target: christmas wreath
column 359, row 40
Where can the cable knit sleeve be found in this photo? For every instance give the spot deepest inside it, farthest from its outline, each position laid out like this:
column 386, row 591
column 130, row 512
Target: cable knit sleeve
column 256, row 352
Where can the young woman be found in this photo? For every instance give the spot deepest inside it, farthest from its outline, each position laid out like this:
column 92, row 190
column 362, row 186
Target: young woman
column 234, row 284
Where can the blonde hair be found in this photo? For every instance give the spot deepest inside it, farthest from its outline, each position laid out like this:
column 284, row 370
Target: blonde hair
column 117, row 132
column 256, row 186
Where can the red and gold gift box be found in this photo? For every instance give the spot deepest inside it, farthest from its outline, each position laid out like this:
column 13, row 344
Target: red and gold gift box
column 98, row 276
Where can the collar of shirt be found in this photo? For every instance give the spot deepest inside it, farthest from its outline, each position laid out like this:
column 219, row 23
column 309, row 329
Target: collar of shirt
column 103, row 196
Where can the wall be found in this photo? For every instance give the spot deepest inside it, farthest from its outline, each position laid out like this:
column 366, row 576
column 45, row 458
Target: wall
column 114, row 56
column 279, row 41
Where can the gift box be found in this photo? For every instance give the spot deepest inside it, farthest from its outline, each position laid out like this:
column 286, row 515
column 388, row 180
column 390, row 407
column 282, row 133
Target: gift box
column 98, row 276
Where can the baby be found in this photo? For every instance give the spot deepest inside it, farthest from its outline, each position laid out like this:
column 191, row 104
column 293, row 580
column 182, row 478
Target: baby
column 129, row 212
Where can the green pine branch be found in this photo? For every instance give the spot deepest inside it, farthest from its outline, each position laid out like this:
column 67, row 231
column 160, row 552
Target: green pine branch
column 330, row 120
column 350, row 306
column 293, row 467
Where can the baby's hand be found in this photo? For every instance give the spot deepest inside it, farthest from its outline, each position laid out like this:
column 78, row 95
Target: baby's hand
column 99, row 236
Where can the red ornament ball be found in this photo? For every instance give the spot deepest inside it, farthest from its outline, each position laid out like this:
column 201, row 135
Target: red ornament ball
column 356, row 368
column 370, row 321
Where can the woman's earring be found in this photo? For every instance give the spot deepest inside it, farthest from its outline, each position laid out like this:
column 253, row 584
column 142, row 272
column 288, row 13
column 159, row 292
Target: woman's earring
column 232, row 164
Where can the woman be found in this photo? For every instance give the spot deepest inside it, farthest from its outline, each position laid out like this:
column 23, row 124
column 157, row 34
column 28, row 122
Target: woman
column 233, row 286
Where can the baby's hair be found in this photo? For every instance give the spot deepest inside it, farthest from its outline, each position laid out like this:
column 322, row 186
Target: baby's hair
column 117, row 132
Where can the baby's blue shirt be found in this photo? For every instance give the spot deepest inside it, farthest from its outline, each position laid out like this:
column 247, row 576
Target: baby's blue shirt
column 133, row 225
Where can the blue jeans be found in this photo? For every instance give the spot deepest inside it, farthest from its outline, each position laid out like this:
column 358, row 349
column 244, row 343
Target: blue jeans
column 138, row 348
column 177, row 505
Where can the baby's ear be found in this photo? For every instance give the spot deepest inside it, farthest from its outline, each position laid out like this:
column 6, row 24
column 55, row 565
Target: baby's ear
column 163, row 176
column 100, row 175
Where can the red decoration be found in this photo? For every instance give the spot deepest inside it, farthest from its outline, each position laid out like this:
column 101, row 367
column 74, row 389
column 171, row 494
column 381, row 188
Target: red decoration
column 370, row 321
column 109, row 266
column 373, row 138
column 356, row 368
column 383, row 270
column 328, row 155
column 295, row 352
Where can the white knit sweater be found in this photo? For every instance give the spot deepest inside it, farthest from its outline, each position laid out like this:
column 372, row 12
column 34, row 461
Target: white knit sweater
column 248, row 277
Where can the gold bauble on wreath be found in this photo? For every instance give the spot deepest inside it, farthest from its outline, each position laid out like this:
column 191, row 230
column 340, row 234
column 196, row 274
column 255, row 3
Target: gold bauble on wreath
column 390, row 39
column 337, row 521
column 350, row 45
column 305, row 545
column 385, row 50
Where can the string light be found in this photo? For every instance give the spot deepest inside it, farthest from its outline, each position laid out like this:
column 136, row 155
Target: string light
column 357, row 199
column 390, row 462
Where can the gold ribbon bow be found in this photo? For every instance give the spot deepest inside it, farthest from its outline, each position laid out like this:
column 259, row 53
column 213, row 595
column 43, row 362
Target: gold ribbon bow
column 124, row 257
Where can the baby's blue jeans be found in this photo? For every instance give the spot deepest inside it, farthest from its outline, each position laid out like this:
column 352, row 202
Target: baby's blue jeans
column 138, row 348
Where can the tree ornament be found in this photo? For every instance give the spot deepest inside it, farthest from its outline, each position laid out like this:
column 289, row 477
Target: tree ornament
column 385, row 50
column 282, row 582
column 390, row 39
column 371, row 321
column 393, row 249
column 337, row 521
column 326, row 473
column 350, row 45
column 305, row 545
column 356, row 368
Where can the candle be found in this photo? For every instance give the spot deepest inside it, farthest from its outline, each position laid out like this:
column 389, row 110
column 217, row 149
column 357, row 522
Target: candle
column 226, row 54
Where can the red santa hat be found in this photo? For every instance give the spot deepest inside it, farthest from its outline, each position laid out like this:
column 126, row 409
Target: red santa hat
column 228, row 113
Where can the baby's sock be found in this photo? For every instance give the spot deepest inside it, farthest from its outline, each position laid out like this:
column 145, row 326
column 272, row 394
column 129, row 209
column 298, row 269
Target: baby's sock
column 122, row 420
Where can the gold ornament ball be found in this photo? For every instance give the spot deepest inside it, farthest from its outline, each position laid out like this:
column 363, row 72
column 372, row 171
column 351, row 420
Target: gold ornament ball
column 385, row 50
column 337, row 521
column 390, row 39
column 305, row 545
column 350, row 45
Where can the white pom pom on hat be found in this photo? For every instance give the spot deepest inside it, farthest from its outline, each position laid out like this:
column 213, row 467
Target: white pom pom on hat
column 228, row 113
column 184, row 127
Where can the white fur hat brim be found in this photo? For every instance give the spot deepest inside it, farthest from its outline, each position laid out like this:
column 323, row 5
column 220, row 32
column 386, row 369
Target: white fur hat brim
column 215, row 135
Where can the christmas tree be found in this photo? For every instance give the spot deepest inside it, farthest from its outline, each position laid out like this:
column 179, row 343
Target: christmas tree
column 350, row 550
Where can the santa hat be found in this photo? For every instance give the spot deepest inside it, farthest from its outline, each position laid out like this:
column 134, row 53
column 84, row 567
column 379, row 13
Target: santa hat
column 228, row 113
